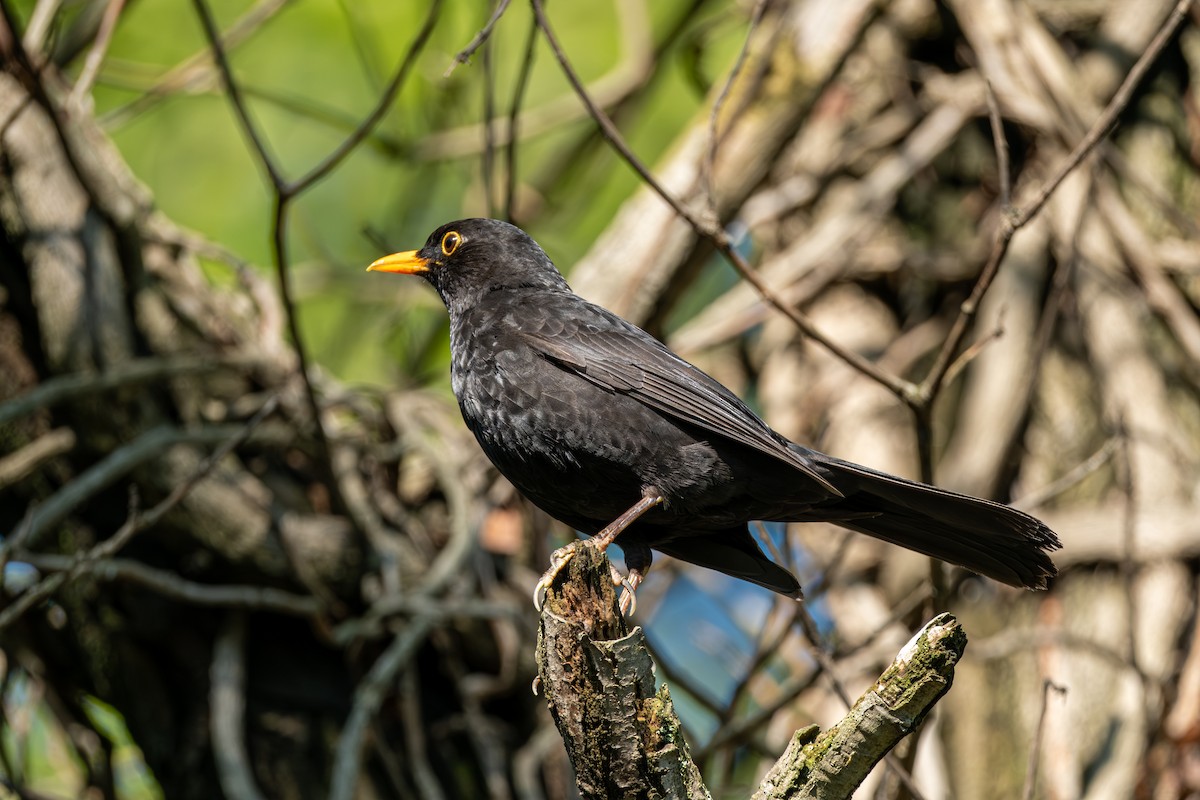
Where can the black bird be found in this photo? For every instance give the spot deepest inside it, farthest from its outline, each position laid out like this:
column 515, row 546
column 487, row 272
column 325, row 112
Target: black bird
column 601, row 426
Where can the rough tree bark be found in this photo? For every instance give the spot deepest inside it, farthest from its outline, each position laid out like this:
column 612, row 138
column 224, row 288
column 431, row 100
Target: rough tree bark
column 625, row 741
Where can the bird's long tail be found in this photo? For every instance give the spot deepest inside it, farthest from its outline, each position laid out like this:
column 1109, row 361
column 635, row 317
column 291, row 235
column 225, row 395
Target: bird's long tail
column 985, row 537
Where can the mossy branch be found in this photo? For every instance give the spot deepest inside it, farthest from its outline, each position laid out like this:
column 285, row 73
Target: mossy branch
column 835, row 762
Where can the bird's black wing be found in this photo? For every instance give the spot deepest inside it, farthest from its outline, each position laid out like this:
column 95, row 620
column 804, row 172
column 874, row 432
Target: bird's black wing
column 620, row 357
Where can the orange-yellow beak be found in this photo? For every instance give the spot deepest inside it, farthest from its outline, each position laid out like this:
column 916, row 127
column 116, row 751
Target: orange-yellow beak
column 406, row 263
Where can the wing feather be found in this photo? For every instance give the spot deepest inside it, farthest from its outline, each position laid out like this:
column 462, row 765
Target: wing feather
column 623, row 358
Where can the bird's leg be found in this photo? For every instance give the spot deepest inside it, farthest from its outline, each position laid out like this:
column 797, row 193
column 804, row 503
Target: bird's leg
column 562, row 556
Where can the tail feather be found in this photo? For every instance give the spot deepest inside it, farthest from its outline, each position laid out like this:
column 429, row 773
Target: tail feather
column 733, row 552
column 989, row 538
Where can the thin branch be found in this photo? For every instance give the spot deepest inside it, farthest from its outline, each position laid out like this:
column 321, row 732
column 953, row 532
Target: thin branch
column 368, row 697
column 415, row 744
column 488, row 157
column 514, row 114
column 766, row 649
column 91, row 66
column 458, row 490
column 740, row 730
column 1000, row 142
column 168, row 584
column 973, row 352
column 1088, row 466
column 481, row 731
column 285, row 191
column 1108, row 118
column 709, row 230
column 484, row 34
column 39, row 24
column 112, row 467
column 710, row 160
column 1035, row 746
column 227, row 702
column 20, row 463
column 670, row 673
column 235, row 94
column 375, row 622
column 382, row 106
column 196, row 70
column 1004, row 645
column 1126, row 565
column 279, row 226
column 283, row 273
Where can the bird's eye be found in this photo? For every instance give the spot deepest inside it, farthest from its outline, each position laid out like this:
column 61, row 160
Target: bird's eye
column 450, row 242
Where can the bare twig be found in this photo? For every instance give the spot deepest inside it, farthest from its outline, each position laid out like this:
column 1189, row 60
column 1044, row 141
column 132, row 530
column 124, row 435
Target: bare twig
column 382, row 106
column 91, row 66
column 249, row 129
column 1001, row 144
column 1127, row 481
column 465, row 54
column 368, row 697
column 514, row 114
column 1108, row 118
column 168, row 584
column 117, row 464
column 1035, row 746
column 285, row 191
column 415, row 744
column 227, row 700
column 488, row 166
column 375, row 621
column 39, row 24
column 197, row 70
column 714, row 119
column 971, row 353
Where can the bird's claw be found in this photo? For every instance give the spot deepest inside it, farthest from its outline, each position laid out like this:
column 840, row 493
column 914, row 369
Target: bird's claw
column 558, row 559
column 628, row 602
column 628, row 599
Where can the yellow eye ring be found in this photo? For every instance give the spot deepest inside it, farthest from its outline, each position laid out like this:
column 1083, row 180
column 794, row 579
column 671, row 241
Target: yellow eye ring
column 450, row 242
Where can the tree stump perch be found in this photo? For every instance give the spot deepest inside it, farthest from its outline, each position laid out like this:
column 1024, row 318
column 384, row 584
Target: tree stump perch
column 625, row 741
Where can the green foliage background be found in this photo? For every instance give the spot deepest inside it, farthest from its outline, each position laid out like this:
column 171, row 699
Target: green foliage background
column 313, row 71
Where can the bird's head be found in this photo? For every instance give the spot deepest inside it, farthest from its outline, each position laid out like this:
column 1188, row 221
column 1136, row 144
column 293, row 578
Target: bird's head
column 468, row 258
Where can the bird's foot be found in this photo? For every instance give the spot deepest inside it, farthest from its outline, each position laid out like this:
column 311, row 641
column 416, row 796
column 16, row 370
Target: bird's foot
column 629, row 590
column 638, row 564
column 563, row 555
column 558, row 559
